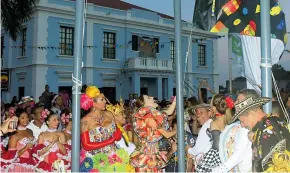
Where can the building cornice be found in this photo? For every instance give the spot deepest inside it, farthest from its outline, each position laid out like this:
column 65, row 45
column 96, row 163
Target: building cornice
column 113, row 19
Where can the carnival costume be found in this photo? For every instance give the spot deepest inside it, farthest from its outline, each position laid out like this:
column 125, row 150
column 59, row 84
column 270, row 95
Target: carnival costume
column 125, row 142
column 235, row 149
column 10, row 162
column 148, row 158
column 53, row 160
column 99, row 151
column 211, row 159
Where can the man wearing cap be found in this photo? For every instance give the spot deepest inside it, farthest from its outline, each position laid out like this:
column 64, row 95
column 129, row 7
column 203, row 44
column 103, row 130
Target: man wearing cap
column 27, row 103
column 270, row 135
column 203, row 143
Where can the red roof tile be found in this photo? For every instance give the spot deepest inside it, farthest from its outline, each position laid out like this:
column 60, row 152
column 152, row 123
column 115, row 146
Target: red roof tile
column 121, row 5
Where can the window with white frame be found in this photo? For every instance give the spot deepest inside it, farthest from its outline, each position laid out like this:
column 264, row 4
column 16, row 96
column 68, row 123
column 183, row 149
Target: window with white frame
column 109, row 45
column 201, row 55
column 23, row 42
column 66, row 41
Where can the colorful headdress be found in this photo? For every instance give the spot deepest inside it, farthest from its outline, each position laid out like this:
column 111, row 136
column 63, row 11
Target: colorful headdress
column 115, row 109
column 87, row 98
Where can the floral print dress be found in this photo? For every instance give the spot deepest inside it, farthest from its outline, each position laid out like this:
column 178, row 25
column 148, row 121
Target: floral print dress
column 107, row 159
column 148, row 157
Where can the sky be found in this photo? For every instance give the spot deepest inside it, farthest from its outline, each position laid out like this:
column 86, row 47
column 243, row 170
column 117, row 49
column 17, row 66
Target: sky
column 187, row 6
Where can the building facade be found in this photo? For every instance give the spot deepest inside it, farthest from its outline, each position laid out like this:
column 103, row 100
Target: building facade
column 127, row 49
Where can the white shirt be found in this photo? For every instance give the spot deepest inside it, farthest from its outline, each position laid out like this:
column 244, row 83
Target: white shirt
column 241, row 159
column 36, row 130
column 203, row 143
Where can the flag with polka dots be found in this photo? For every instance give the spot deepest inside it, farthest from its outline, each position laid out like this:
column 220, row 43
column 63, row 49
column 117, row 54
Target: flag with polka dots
column 239, row 16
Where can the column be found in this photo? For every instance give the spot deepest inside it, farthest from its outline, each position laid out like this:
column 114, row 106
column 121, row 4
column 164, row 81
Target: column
column 159, row 88
column 136, row 83
column 89, row 59
column 170, row 87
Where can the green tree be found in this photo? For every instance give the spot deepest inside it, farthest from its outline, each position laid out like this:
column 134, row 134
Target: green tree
column 14, row 13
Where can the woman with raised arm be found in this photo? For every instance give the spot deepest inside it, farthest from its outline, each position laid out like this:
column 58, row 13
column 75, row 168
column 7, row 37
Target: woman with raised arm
column 99, row 134
column 18, row 158
column 151, row 126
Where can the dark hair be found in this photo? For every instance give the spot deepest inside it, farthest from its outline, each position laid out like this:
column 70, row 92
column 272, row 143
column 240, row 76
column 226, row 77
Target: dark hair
column 192, row 101
column 37, row 106
column 276, row 108
column 20, row 111
column 49, row 116
column 140, row 101
column 65, row 111
column 219, row 101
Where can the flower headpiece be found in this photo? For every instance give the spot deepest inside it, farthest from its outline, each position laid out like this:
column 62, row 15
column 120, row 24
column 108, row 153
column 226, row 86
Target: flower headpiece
column 66, row 118
column 87, row 98
column 115, row 109
column 230, row 102
column 44, row 114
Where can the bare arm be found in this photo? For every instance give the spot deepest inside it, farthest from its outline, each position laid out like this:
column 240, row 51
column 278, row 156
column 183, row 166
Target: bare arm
column 84, row 126
column 61, row 142
column 171, row 108
column 195, row 127
column 44, row 150
column 13, row 144
column 200, row 98
column 167, row 134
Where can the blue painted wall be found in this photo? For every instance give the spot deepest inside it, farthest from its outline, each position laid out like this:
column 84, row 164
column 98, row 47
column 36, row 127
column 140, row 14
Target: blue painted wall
column 124, row 86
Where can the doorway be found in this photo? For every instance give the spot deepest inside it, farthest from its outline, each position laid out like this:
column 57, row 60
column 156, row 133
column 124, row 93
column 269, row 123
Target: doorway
column 21, row 92
column 144, row 91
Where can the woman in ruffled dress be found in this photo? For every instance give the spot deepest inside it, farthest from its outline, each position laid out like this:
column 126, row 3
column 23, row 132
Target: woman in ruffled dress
column 66, row 119
column 19, row 158
column 51, row 150
column 151, row 126
column 222, row 110
column 99, row 133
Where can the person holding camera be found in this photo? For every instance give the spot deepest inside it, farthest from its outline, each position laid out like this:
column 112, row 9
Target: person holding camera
column 18, row 157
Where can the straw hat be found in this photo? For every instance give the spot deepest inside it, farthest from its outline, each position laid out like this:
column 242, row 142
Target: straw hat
column 247, row 104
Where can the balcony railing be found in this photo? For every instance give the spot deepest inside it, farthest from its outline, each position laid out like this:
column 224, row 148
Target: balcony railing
column 149, row 64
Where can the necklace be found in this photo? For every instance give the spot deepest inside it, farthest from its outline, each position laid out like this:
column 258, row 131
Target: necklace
column 21, row 128
column 51, row 130
column 218, row 115
column 99, row 120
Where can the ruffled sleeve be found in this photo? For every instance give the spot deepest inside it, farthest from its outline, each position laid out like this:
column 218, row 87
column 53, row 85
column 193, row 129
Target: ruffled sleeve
column 141, row 127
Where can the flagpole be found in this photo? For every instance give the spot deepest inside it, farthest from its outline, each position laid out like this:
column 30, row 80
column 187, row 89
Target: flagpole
column 230, row 63
column 266, row 61
column 78, row 38
column 179, row 86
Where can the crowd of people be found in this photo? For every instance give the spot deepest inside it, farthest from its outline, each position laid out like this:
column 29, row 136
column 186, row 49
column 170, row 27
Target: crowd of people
column 222, row 134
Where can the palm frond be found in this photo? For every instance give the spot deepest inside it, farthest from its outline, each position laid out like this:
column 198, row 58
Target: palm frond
column 14, row 13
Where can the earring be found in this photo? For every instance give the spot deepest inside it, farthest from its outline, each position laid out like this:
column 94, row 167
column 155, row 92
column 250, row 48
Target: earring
column 94, row 109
